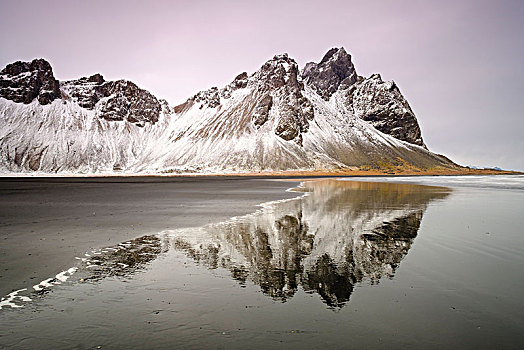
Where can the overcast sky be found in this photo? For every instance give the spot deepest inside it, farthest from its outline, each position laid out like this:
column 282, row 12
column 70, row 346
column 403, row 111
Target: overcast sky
column 459, row 63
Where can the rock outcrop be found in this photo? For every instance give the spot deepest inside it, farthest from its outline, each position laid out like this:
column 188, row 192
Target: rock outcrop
column 277, row 84
column 335, row 69
column 261, row 114
column 114, row 100
column 373, row 100
column 280, row 77
column 22, row 82
column 383, row 106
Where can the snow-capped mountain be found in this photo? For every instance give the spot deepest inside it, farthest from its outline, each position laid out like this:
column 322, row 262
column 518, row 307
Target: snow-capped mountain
column 278, row 118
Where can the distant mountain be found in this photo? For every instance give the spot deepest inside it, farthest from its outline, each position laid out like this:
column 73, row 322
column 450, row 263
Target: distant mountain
column 324, row 117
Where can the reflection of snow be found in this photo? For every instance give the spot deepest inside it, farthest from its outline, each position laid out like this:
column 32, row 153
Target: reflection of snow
column 99, row 263
column 339, row 234
column 58, row 279
column 11, row 298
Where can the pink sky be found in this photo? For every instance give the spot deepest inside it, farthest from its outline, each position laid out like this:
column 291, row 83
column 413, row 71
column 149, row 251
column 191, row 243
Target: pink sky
column 459, row 63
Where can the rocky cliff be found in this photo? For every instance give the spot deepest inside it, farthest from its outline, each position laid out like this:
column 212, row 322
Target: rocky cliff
column 333, row 70
column 377, row 102
column 114, row 100
column 383, row 106
column 25, row 81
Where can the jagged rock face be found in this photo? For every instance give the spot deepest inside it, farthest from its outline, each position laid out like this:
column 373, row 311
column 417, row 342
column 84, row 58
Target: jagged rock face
column 86, row 91
column 275, row 119
column 261, row 114
column 114, row 100
column 22, row 82
column 276, row 85
column 383, row 106
column 280, row 77
column 279, row 87
column 379, row 103
column 334, row 69
column 212, row 97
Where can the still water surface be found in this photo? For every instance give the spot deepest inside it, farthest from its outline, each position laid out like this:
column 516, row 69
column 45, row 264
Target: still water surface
column 346, row 264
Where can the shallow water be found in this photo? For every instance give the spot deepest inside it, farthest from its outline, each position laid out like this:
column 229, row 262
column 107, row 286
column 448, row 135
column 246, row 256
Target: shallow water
column 347, row 264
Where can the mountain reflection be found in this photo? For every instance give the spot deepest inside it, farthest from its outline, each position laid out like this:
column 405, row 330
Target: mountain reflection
column 122, row 259
column 339, row 234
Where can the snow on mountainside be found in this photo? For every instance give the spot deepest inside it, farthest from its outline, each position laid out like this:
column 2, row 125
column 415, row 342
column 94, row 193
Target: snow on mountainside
column 278, row 118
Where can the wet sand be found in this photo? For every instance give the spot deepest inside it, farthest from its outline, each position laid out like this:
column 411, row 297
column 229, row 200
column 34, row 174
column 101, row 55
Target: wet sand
column 46, row 222
column 349, row 264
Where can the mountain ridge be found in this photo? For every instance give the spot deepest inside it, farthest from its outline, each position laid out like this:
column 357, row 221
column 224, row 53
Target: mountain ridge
column 324, row 116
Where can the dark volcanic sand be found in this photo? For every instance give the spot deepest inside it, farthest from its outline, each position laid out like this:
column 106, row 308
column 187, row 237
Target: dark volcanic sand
column 46, row 222
column 350, row 265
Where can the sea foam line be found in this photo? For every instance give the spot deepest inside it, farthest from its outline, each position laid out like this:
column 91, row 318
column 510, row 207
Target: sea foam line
column 15, row 300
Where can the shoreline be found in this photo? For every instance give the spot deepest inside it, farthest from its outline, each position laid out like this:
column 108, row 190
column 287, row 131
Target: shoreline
column 274, row 174
column 48, row 222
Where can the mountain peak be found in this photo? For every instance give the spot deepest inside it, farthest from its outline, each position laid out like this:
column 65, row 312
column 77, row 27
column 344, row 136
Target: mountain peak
column 274, row 119
column 333, row 70
column 283, row 56
column 114, row 100
column 18, row 67
column 279, row 71
column 96, row 78
column 22, row 82
column 382, row 105
column 335, row 53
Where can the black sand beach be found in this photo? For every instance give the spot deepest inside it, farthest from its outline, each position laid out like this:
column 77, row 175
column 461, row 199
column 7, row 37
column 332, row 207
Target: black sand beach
column 46, row 222
column 382, row 263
